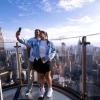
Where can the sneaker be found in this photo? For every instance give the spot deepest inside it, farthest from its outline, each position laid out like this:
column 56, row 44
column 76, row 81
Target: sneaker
column 28, row 92
column 41, row 92
column 50, row 93
column 11, row 82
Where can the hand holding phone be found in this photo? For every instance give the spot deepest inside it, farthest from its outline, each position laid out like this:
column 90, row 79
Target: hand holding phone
column 18, row 32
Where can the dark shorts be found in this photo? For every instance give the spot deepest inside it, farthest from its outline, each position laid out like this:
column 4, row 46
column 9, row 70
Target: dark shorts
column 33, row 65
column 41, row 67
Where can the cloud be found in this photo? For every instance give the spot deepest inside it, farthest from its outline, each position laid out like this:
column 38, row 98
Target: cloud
column 63, row 31
column 82, row 20
column 76, row 30
column 21, row 14
column 80, row 27
column 73, row 4
column 46, row 6
column 25, row 7
column 22, row 7
column 27, row 33
column 29, row 5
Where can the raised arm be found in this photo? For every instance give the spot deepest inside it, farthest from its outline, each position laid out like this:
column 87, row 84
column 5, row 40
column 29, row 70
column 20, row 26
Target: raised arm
column 27, row 43
column 18, row 37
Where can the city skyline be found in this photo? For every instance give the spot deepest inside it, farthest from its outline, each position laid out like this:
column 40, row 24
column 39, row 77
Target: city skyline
column 60, row 18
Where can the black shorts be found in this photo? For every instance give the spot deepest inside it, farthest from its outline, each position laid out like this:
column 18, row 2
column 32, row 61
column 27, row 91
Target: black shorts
column 33, row 65
column 41, row 67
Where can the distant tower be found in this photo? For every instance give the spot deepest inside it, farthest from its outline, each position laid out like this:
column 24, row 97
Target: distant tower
column 1, row 42
column 79, row 53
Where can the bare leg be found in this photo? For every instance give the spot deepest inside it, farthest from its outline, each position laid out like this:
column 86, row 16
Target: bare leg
column 41, row 79
column 30, row 77
column 49, row 79
column 49, row 82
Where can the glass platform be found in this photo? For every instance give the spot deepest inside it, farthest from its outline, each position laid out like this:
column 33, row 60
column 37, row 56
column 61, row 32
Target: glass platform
column 10, row 93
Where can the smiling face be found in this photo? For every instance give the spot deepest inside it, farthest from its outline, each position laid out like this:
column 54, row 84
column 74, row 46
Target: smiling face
column 37, row 33
column 42, row 35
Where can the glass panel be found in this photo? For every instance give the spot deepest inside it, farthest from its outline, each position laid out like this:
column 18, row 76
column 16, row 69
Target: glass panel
column 93, row 66
column 68, row 64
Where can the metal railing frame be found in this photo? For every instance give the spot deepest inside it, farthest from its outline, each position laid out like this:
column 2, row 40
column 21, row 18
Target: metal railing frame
column 1, row 94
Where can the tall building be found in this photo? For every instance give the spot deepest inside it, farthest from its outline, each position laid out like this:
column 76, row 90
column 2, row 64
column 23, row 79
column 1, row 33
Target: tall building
column 2, row 51
column 78, row 57
column 1, row 42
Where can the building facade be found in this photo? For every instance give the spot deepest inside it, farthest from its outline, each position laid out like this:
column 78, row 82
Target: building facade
column 2, row 51
column 1, row 42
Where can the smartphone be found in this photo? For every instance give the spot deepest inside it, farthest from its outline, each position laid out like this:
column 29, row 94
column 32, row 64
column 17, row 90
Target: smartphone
column 19, row 30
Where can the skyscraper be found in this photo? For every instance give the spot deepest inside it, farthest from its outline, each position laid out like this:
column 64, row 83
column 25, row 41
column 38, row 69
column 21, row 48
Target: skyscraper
column 2, row 51
column 1, row 42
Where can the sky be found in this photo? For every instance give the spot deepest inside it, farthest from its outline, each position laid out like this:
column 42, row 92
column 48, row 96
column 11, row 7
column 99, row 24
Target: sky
column 59, row 18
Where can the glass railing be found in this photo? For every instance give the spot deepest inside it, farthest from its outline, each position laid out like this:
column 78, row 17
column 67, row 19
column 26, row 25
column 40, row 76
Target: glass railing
column 68, row 66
